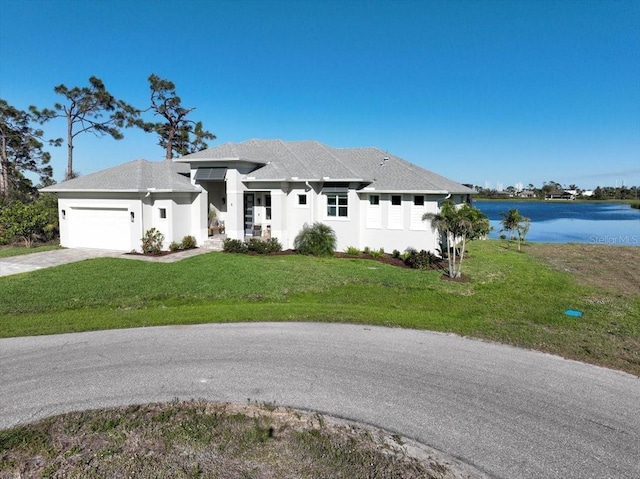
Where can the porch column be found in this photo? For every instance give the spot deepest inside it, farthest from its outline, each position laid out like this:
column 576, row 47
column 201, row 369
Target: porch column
column 234, row 222
column 279, row 209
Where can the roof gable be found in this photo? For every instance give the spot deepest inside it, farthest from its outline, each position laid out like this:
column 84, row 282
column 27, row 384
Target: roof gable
column 312, row 160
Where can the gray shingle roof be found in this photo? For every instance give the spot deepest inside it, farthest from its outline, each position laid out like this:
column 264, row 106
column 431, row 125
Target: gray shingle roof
column 311, row 160
column 137, row 175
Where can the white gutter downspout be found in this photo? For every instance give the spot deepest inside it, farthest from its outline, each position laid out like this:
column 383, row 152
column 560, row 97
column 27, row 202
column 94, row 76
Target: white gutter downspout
column 312, row 205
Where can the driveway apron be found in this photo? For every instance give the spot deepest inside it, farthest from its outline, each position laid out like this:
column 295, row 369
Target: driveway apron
column 47, row 259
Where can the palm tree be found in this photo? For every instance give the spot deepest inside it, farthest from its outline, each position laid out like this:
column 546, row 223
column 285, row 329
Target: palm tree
column 515, row 224
column 458, row 225
column 444, row 222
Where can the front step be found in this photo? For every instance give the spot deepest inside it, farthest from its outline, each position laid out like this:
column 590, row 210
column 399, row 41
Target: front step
column 215, row 243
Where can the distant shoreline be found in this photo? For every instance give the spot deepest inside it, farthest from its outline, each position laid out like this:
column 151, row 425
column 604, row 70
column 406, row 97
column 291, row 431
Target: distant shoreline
column 635, row 203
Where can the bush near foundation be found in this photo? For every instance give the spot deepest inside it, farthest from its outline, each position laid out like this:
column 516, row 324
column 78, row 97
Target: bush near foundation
column 316, row 240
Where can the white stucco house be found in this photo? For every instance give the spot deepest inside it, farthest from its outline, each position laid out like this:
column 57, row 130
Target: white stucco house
column 267, row 188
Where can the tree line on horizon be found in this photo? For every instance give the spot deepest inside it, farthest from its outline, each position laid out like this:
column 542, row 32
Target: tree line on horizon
column 88, row 109
column 599, row 193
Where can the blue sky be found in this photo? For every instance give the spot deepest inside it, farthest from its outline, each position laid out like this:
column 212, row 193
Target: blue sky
column 483, row 92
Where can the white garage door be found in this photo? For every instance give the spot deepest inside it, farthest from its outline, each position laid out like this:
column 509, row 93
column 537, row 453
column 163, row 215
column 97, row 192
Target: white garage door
column 104, row 228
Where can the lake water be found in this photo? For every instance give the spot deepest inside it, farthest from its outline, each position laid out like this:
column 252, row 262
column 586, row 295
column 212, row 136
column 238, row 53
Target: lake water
column 569, row 221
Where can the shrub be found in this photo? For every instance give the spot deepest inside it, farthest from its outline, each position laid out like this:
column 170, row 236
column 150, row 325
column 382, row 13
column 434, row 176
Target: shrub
column 174, row 246
column 230, row 245
column 395, row 254
column 377, row 253
column 256, row 245
column 352, row 250
column 24, row 221
column 316, row 240
column 188, row 242
column 272, row 245
column 366, row 250
column 152, row 241
column 419, row 260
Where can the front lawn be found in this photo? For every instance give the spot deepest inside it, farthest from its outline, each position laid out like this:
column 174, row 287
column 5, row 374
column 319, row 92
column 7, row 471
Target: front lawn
column 6, row 251
column 515, row 298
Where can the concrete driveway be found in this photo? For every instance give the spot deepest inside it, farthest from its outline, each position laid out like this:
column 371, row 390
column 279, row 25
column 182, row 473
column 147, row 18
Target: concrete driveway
column 508, row 412
column 47, row 259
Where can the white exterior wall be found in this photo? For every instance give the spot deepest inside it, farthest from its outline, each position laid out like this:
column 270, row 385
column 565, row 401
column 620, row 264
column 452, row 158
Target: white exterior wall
column 347, row 229
column 199, row 211
column 299, row 215
column 398, row 227
column 179, row 208
column 384, row 226
column 234, row 217
column 119, row 220
column 109, row 232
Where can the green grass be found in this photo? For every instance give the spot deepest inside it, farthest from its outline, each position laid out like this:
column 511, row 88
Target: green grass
column 7, row 251
column 512, row 298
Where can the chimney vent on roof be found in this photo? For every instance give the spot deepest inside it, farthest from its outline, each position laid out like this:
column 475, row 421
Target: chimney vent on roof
column 384, row 160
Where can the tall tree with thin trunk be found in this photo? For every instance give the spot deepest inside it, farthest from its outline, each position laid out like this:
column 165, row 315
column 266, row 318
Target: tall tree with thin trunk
column 21, row 150
column 177, row 134
column 89, row 109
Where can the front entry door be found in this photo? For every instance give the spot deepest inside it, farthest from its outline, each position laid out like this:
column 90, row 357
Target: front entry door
column 249, row 199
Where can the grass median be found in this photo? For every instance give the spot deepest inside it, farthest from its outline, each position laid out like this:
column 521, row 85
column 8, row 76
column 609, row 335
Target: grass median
column 514, row 298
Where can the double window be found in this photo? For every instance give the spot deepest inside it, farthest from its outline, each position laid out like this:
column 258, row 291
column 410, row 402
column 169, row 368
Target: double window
column 337, row 205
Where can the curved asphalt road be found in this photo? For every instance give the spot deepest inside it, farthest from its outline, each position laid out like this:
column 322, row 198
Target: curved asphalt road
column 511, row 413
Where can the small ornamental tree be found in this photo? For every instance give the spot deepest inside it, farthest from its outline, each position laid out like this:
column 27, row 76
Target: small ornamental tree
column 516, row 224
column 458, row 225
column 152, row 241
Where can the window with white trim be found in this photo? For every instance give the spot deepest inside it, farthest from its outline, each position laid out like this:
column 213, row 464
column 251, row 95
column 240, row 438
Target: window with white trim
column 163, row 213
column 302, row 200
column 418, row 200
column 374, row 213
column 395, row 216
column 267, row 207
column 337, row 205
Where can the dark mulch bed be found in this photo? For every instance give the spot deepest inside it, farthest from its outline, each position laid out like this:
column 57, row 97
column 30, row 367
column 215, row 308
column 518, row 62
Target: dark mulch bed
column 161, row 253
column 385, row 259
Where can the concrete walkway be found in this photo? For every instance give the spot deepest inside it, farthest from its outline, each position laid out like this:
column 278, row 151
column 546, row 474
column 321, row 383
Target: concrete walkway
column 47, row 259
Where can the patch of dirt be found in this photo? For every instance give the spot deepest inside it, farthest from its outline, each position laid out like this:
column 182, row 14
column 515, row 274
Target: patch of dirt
column 202, row 439
column 612, row 268
column 463, row 278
